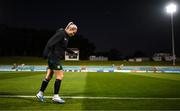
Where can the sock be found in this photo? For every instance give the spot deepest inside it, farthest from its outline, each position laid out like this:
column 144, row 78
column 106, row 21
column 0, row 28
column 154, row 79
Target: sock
column 56, row 95
column 40, row 93
column 44, row 85
column 57, row 85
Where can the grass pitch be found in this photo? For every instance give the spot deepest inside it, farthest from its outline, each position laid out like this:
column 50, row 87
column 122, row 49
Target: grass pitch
column 139, row 91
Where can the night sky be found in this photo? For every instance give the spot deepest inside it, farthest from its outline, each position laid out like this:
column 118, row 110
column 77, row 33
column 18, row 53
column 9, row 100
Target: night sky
column 128, row 25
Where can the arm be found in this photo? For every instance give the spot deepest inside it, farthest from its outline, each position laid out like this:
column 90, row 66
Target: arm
column 55, row 39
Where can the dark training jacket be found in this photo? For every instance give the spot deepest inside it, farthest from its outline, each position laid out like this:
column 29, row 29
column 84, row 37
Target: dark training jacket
column 57, row 45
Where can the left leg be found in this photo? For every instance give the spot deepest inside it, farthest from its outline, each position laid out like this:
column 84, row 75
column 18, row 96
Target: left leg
column 59, row 76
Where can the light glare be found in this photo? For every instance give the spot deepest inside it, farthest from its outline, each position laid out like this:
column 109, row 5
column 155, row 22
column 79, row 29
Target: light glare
column 171, row 8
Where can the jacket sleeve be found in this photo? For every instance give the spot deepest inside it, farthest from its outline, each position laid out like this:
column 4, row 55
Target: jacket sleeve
column 55, row 39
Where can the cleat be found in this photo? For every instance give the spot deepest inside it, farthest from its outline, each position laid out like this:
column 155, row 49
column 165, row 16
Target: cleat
column 40, row 97
column 57, row 99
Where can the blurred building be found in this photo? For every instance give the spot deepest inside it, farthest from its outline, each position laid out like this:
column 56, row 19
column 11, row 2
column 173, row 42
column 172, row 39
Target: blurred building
column 98, row 58
column 162, row 57
column 139, row 59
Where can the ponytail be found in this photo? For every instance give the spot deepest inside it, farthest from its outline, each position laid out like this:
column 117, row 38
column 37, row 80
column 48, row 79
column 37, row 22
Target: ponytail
column 69, row 24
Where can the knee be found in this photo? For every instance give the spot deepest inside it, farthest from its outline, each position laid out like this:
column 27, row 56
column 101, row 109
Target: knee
column 60, row 76
column 49, row 76
column 48, row 79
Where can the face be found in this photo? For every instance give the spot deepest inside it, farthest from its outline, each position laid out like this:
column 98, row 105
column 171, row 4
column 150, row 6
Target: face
column 71, row 31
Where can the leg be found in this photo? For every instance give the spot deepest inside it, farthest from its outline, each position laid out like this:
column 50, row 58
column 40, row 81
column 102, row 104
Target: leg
column 57, row 68
column 46, row 80
column 49, row 74
column 59, row 76
column 44, row 84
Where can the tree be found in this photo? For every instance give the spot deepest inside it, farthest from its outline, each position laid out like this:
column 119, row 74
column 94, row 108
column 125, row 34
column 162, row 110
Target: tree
column 22, row 41
column 139, row 54
column 114, row 54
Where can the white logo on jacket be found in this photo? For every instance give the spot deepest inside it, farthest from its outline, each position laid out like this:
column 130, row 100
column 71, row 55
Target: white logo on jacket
column 65, row 39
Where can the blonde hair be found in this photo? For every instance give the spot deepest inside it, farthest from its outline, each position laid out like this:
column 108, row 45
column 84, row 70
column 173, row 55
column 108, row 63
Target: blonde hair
column 71, row 25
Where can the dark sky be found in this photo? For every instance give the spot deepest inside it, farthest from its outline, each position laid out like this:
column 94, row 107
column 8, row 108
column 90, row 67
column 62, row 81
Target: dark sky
column 128, row 25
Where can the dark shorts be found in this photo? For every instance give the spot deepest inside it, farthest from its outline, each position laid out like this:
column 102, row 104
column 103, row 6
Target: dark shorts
column 54, row 64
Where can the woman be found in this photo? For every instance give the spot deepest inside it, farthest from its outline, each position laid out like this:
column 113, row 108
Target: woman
column 54, row 51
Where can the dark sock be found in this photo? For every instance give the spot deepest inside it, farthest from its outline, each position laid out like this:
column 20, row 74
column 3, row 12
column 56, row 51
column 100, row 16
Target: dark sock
column 44, row 85
column 57, row 85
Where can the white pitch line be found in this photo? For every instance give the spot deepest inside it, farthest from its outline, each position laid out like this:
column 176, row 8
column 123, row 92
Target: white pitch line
column 86, row 97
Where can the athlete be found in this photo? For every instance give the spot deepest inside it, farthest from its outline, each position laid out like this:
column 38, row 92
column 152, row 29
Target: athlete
column 54, row 52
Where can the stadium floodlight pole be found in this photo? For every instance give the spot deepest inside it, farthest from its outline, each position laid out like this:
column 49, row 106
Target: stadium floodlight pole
column 171, row 9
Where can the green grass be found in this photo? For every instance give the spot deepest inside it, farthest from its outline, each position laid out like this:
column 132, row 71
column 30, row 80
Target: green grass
column 40, row 61
column 152, row 85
